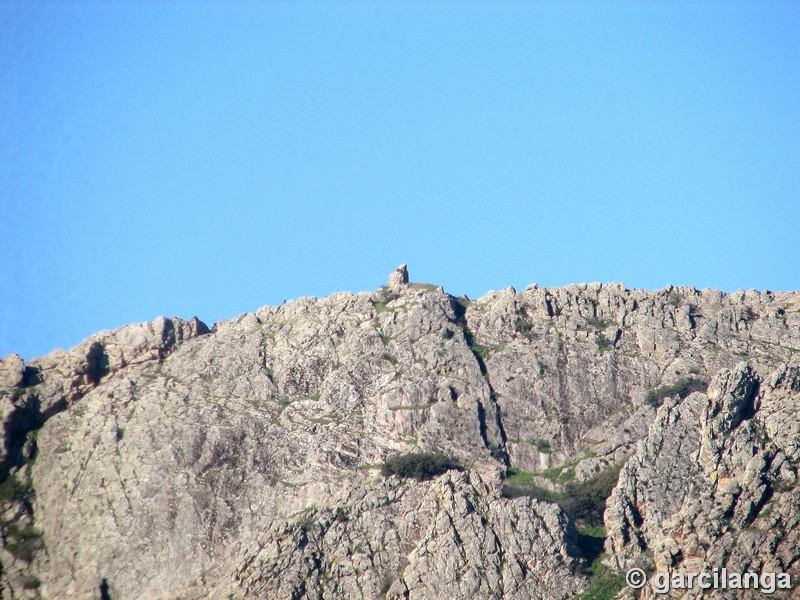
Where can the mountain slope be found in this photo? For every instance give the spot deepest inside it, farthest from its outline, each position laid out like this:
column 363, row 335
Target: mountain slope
column 166, row 460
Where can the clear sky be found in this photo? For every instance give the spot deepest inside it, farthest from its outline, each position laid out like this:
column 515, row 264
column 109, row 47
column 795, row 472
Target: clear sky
column 184, row 158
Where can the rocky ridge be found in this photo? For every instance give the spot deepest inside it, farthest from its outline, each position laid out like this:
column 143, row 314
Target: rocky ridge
column 164, row 460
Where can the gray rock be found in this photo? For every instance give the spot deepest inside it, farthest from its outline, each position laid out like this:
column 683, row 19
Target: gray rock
column 164, row 460
column 399, row 276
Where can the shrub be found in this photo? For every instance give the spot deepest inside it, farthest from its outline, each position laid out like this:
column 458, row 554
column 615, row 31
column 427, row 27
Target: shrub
column 603, row 343
column 23, row 543
column 591, row 541
column 419, row 465
column 656, row 396
column 464, row 302
column 13, row 489
column 604, row 583
column 525, row 329
column 480, row 352
column 585, row 501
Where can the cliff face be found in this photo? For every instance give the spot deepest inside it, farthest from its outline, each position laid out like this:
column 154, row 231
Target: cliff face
column 164, row 460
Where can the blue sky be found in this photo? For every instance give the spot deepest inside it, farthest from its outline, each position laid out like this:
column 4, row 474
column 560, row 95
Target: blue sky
column 210, row 158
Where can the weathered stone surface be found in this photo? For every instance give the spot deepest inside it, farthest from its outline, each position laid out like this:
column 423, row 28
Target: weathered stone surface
column 450, row 538
column 714, row 483
column 164, row 460
column 12, row 371
column 399, row 276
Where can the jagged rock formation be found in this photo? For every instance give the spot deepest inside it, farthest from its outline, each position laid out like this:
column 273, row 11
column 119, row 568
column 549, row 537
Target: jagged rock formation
column 166, row 460
column 714, row 483
column 399, row 276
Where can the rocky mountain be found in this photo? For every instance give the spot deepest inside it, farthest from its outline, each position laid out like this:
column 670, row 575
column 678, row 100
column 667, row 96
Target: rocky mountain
column 406, row 443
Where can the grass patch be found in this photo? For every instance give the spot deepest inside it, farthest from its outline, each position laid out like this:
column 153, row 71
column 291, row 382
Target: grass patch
column 419, row 465
column 519, row 477
column 519, row 483
column 604, row 583
column 583, row 501
column 562, row 474
column 655, row 397
column 381, row 307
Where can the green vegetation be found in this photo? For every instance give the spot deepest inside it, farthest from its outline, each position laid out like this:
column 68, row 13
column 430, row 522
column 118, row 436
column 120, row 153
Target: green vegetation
column 14, row 489
column 23, row 543
column 419, row 465
column 591, row 541
column 386, row 585
column 656, row 396
column 584, row 501
column 480, row 351
column 603, row 343
column 31, row 582
column 604, row 583
column 464, row 302
column 520, row 483
column 518, row 477
column 525, row 329
column 562, row 474
column 384, row 296
column 543, row 446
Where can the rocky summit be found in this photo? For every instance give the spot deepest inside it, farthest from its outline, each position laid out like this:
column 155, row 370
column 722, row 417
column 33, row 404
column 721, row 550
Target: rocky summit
column 406, row 443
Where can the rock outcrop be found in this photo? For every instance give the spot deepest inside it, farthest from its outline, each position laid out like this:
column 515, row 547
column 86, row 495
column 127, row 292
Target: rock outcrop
column 714, row 483
column 399, row 276
column 167, row 460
